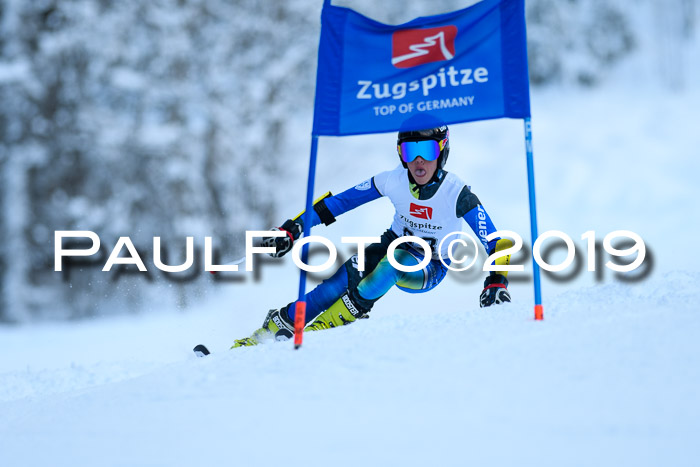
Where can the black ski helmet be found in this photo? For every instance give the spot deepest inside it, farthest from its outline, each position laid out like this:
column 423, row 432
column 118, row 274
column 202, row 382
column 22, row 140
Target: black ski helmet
column 438, row 133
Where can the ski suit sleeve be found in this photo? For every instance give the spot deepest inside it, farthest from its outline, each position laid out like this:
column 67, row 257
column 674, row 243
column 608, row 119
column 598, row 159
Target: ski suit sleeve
column 470, row 209
column 341, row 203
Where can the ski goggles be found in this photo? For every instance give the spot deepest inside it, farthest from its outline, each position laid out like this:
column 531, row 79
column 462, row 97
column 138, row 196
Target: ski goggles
column 428, row 149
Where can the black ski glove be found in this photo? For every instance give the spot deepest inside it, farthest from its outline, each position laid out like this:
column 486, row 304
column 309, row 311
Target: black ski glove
column 283, row 245
column 495, row 291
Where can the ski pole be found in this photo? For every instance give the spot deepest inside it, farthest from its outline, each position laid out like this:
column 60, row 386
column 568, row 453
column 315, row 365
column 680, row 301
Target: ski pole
column 242, row 259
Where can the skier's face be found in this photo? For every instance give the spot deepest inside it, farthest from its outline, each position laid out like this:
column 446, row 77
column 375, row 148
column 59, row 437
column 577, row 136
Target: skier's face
column 422, row 170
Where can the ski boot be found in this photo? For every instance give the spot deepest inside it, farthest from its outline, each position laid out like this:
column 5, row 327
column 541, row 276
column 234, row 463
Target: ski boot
column 344, row 311
column 277, row 326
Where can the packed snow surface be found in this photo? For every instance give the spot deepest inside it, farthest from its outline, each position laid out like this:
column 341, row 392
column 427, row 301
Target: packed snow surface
column 610, row 377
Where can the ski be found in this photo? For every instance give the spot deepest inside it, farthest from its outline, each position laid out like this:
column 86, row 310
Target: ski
column 201, row 350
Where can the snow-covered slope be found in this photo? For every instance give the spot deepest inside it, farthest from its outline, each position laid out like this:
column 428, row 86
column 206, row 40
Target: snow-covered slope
column 611, row 377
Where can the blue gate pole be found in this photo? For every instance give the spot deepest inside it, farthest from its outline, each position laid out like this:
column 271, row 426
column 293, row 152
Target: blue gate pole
column 300, row 309
column 539, row 312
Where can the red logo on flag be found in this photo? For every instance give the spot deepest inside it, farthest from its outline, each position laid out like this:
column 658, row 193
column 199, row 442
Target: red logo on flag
column 413, row 47
column 421, row 212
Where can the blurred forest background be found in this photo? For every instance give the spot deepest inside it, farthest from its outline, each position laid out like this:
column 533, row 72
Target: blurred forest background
column 173, row 118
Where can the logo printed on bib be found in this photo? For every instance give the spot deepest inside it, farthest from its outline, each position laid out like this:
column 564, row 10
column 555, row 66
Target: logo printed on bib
column 421, row 212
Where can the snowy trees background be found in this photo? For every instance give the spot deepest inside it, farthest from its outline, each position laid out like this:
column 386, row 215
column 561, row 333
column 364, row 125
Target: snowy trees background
column 178, row 117
column 140, row 119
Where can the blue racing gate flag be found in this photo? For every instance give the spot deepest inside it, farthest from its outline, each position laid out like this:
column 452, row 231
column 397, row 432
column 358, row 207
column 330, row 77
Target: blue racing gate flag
column 466, row 65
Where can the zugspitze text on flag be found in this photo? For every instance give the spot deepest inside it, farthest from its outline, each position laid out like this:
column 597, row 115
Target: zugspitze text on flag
column 461, row 66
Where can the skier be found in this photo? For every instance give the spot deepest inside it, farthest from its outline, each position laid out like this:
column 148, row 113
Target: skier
column 430, row 203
